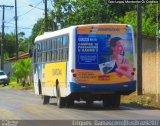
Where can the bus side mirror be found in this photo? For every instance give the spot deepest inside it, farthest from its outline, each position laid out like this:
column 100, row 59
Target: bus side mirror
column 30, row 52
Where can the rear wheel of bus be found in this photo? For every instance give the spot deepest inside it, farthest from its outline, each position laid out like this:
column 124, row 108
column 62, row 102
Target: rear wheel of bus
column 116, row 101
column 111, row 101
column 60, row 100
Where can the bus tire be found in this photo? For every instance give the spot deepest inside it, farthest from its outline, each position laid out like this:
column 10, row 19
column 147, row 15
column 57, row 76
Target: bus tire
column 46, row 99
column 39, row 87
column 69, row 103
column 89, row 102
column 116, row 101
column 106, row 103
column 60, row 100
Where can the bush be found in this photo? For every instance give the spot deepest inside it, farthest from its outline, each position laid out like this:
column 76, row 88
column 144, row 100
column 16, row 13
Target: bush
column 22, row 69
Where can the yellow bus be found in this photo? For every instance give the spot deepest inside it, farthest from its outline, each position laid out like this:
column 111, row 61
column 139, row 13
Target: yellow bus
column 85, row 62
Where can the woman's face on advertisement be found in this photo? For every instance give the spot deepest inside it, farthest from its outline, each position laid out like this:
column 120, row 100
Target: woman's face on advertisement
column 118, row 48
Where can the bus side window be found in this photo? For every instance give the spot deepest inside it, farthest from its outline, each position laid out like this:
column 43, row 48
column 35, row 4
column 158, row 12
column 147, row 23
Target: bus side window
column 54, row 53
column 55, row 49
column 50, row 50
column 61, row 49
column 58, row 49
column 35, row 54
column 39, row 52
column 65, row 47
column 46, row 49
column 43, row 50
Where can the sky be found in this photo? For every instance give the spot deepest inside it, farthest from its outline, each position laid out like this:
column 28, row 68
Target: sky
column 27, row 16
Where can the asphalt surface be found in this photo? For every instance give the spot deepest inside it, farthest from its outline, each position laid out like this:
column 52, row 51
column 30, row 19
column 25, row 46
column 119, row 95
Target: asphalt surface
column 25, row 105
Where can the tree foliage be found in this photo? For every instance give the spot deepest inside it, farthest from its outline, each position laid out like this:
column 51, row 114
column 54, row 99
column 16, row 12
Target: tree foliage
column 75, row 12
column 149, row 20
column 22, row 68
column 10, row 44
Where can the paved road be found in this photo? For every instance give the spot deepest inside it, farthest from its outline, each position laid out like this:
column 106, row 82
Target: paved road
column 24, row 105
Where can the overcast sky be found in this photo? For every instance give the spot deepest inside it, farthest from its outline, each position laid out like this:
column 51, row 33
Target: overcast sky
column 27, row 16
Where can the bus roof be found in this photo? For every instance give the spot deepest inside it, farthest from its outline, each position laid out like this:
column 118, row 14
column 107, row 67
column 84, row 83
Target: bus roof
column 47, row 35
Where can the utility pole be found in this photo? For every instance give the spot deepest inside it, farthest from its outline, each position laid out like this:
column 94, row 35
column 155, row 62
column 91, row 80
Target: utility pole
column 3, row 41
column 16, row 30
column 139, row 49
column 46, row 16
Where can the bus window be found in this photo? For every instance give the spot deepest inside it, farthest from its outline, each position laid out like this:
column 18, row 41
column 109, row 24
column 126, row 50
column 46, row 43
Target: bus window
column 46, row 49
column 58, row 46
column 39, row 53
column 44, row 53
column 54, row 41
column 35, row 53
column 60, row 49
column 50, row 50
column 43, row 49
column 65, row 41
column 65, row 47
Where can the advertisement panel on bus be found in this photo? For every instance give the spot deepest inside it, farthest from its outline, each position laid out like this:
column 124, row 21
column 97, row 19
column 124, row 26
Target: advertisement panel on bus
column 104, row 54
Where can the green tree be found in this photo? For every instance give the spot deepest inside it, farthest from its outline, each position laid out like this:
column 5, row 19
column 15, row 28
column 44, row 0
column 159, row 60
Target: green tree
column 149, row 23
column 38, row 29
column 22, row 69
column 93, row 11
column 9, row 46
column 23, row 43
column 76, row 12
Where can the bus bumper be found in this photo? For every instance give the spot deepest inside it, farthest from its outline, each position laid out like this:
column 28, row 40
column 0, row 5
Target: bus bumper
column 121, row 88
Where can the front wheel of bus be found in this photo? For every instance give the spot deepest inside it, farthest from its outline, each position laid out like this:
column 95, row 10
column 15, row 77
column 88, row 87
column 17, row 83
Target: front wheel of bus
column 60, row 100
column 45, row 99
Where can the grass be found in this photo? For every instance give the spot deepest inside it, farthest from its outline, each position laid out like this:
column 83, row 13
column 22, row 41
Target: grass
column 15, row 85
column 147, row 100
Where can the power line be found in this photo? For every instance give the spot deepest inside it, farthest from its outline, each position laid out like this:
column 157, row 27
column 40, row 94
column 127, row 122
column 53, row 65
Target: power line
column 9, row 23
column 19, row 27
column 9, row 20
column 24, row 13
column 29, row 10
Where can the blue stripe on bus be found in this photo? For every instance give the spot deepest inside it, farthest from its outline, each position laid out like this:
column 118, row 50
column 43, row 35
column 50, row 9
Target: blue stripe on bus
column 128, row 86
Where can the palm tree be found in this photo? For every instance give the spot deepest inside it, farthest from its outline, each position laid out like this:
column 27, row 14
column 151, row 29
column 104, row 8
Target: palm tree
column 22, row 69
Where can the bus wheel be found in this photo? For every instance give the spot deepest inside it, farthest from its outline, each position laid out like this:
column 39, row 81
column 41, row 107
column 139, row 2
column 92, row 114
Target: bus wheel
column 69, row 103
column 45, row 99
column 39, row 87
column 106, row 103
column 116, row 101
column 60, row 100
column 89, row 102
